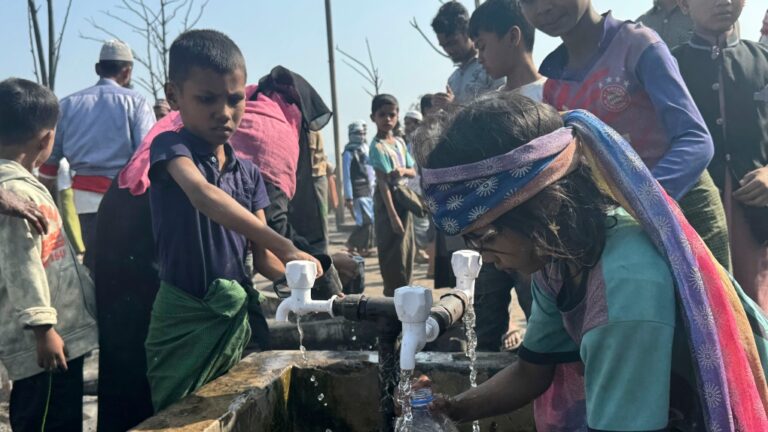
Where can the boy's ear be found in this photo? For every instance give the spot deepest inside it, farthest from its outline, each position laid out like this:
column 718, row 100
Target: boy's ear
column 172, row 95
column 46, row 138
column 515, row 36
column 373, row 119
column 683, row 5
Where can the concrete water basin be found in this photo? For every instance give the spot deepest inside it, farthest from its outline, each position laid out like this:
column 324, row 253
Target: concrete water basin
column 332, row 391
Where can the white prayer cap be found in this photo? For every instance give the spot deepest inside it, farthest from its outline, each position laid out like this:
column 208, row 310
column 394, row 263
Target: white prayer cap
column 414, row 115
column 115, row 50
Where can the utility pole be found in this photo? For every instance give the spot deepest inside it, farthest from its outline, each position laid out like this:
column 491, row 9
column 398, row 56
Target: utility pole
column 335, row 108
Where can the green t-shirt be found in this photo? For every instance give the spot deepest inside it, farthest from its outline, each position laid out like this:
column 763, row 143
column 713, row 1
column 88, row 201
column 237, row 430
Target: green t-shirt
column 620, row 325
column 385, row 157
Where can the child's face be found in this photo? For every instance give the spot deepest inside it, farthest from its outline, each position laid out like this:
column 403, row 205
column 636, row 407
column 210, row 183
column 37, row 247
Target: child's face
column 713, row 16
column 385, row 118
column 555, row 17
column 211, row 104
column 495, row 53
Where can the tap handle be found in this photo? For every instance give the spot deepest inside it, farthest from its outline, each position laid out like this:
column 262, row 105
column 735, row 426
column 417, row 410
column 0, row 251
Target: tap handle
column 413, row 304
column 466, row 264
column 300, row 274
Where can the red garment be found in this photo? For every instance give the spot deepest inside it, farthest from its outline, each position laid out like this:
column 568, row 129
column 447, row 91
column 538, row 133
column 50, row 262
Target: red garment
column 98, row 184
column 268, row 136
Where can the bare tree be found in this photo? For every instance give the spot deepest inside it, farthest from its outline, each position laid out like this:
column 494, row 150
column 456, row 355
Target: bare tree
column 369, row 72
column 154, row 22
column 45, row 66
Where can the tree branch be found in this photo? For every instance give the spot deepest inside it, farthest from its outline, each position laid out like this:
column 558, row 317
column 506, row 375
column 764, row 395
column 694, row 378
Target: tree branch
column 51, row 46
column 38, row 41
column 61, row 35
column 354, row 59
column 354, row 68
column 187, row 24
column 415, row 25
column 32, row 45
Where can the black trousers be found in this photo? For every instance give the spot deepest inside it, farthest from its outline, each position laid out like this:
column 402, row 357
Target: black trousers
column 30, row 396
column 88, row 227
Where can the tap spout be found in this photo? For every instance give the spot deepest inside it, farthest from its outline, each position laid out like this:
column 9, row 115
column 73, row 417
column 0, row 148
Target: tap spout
column 301, row 277
column 413, row 305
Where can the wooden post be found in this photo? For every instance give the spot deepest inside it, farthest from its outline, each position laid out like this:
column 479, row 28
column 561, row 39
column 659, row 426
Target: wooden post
column 335, row 107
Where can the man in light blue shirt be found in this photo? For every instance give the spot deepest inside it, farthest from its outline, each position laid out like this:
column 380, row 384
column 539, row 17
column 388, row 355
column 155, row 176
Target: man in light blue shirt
column 99, row 130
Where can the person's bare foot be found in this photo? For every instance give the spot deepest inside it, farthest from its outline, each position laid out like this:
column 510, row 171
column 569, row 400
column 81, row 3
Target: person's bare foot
column 512, row 339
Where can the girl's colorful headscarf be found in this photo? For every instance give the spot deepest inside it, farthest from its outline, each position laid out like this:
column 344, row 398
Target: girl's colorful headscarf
column 730, row 379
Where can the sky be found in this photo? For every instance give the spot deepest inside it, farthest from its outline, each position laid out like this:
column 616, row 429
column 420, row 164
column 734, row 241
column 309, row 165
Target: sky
column 292, row 33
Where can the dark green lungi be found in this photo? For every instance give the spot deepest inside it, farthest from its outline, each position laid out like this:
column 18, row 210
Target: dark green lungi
column 704, row 210
column 192, row 341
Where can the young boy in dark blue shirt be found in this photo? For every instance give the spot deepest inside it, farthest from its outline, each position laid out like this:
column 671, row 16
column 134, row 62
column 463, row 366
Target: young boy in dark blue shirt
column 206, row 209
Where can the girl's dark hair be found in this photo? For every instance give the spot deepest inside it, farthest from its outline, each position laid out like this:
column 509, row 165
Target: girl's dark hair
column 568, row 219
column 381, row 100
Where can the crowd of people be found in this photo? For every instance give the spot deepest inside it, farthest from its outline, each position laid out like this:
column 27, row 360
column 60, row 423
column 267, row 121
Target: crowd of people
column 620, row 190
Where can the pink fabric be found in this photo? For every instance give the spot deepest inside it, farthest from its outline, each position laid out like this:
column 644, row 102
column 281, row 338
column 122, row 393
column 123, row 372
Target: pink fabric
column 268, row 136
column 563, row 407
column 745, row 399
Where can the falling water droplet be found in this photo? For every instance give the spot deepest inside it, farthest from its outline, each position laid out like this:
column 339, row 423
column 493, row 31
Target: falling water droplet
column 354, row 338
column 325, row 404
column 312, row 378
column 320, row 397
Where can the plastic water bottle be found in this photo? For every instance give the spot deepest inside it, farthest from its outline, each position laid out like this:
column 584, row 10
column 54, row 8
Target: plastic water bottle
column 423, row 419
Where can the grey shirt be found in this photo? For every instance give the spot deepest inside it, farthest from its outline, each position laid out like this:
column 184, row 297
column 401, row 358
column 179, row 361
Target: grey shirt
column 470, row 80
column 675, row 28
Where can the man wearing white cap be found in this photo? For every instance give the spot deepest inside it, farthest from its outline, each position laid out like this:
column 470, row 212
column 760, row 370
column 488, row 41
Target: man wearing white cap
column 99, row 129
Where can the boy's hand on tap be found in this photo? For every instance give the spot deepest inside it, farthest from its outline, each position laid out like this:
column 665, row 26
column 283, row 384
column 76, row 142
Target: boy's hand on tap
column 294, row 254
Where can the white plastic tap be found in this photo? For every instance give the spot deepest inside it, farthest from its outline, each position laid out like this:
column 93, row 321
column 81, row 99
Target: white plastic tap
column 466, row 266
column 412, row 305
column 301, row 277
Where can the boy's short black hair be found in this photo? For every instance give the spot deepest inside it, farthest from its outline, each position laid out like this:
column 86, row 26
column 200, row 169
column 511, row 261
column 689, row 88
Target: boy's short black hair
column 207, row 49
column 381, row 100
column 499, row 16
column 26, row 108
column 111, row 68
column 425, row 103
column 452, row 18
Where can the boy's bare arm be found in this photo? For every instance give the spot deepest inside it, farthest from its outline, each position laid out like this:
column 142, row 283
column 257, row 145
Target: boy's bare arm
column 264, row 261
column 386, row 195
column 224, row 210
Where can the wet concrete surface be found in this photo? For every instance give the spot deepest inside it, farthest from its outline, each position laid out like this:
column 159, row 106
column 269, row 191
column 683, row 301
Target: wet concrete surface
column 374, row 287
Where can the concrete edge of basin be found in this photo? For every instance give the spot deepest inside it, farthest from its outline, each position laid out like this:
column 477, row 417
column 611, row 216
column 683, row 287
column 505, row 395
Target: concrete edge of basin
column 256, row 390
